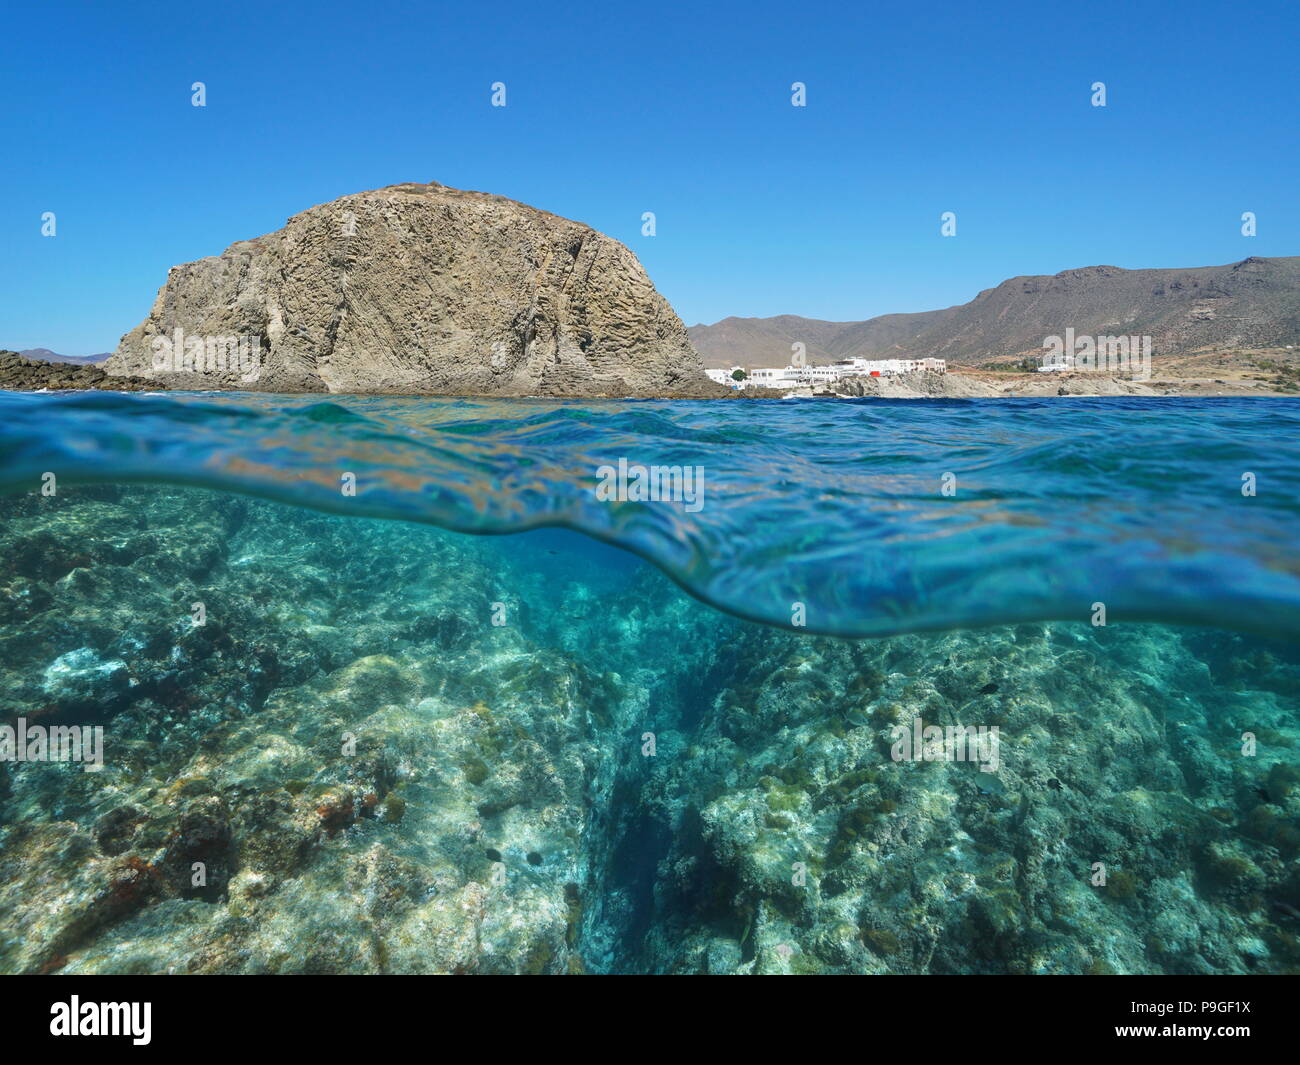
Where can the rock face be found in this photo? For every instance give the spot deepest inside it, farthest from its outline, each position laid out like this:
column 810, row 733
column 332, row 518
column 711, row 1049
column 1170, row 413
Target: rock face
column 497, row 814
column 418, row 289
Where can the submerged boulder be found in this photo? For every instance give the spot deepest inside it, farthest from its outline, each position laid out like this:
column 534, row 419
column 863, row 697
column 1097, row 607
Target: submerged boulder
column 418, row 289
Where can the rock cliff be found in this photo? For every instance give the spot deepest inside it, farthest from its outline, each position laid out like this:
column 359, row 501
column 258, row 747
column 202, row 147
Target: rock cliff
column 418, row 289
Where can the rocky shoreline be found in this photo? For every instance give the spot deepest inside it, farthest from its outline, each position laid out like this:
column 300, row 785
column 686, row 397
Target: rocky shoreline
column 961, row 385
column 19, row 374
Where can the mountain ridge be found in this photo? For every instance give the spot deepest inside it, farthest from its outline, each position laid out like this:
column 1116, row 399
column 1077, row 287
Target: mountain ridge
column 1251, row 303
column 46, row 355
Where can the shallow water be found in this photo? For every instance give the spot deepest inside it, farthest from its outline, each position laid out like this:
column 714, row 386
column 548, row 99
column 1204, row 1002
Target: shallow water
column 880, row 517
column 389, row 746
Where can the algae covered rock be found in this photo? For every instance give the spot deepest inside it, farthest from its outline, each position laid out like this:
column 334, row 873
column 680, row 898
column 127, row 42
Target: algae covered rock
column 348, row 767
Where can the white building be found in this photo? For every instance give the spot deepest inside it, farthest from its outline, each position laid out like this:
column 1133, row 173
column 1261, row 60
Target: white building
column 1056, row 361
column 822, row 376
column 889, row 367
column 817, row 375
column 725, row 377
column 785, row 377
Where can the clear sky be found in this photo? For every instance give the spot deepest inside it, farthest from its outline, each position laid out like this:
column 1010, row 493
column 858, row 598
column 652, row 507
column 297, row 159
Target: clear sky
column 829, row 211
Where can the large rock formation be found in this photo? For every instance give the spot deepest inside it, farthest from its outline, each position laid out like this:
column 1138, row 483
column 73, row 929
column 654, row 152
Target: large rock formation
column 418, row 289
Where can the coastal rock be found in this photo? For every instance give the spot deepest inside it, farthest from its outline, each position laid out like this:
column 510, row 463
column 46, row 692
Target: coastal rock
column 21, row 374
column 967, row 386
column 418, row 289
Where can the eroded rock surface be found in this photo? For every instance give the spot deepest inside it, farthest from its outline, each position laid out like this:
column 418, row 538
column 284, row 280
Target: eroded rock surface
column 418, row 289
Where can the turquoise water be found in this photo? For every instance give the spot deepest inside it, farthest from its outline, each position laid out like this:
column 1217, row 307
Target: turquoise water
column 1052, row 506
column 649, row 735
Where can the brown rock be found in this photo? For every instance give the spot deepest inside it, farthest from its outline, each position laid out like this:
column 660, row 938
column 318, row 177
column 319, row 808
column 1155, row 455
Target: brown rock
column 422, row 289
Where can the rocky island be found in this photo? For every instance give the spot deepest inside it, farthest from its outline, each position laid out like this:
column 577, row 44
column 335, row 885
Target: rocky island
column 418, row 289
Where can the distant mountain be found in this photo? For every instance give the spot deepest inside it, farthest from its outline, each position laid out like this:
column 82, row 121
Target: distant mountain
column 1251, row 304
column 46, row 355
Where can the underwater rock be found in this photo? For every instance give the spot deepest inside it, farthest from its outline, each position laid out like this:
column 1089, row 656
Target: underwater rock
column 313, row 781
column 80, row 680
column 114, row 829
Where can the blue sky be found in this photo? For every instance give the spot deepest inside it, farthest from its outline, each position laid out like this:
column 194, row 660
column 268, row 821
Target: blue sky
column 829, row 211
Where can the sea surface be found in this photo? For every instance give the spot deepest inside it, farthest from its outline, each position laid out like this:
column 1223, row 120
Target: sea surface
column 394, row 684
column 880, row 516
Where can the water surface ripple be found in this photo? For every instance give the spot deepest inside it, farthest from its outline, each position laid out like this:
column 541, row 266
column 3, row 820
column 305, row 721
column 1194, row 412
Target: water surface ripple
column 839, row 505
